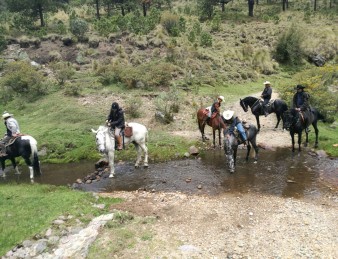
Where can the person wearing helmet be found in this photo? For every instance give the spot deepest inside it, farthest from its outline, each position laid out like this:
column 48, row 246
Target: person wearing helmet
column 300, row 103
column 13, row 130
column 232, row 122
column 116, row 122
column 266, row 95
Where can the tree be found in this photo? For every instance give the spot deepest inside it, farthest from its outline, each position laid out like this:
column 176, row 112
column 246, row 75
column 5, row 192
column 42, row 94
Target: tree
column 206, row 8
column 34, row 8
column 251, row 4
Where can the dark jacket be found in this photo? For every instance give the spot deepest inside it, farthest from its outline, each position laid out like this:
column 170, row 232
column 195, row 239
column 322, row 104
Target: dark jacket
column 301, row 100
column 116, row 117
column 231, row 124
column 266, row 94
column 215, row 107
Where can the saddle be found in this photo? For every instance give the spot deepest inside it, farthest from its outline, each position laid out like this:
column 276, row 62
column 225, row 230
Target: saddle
column 128, row 131
column 13, row 139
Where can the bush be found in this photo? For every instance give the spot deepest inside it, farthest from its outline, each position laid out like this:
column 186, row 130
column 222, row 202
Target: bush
column 289, row 47
column 206, row 39
column 170, row 22
column 78, row 27
column 63, row 71
column 21, row 79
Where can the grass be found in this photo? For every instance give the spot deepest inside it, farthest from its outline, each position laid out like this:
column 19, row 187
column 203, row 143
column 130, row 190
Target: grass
column 30, row 209
column 328, row 137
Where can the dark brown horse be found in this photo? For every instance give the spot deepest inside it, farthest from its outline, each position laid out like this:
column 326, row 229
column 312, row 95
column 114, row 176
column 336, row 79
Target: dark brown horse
column 216, row 123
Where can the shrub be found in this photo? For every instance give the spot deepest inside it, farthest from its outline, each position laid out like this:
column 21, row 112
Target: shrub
column 63, row 71
column 171, row 23
column 21, row 79
column 78, row 27
column 206, row 39
column 133, row 107
column 289, row 47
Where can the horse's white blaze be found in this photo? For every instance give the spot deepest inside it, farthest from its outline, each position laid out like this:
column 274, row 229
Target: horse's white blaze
column 105, row 142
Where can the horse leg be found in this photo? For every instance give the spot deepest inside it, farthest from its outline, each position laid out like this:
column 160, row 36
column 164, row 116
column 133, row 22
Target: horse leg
column 278, row 120
column 248, row 148
column 258, row 124
column 214, row 137
column 110, row 156
column 220, row 138
column 139, row 154
column 306, row 139
column 30, row 166
column 316, row 132
column 145, row 150
column 292, row 134
column 3, row 174
column 235, row 154
column 201, row 127
column 299, row 141
column 229, row 155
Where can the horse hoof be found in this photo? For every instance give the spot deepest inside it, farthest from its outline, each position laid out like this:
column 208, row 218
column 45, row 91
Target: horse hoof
column 137, row 166
column 145, row 166
column 255, row 162
column 111, row 176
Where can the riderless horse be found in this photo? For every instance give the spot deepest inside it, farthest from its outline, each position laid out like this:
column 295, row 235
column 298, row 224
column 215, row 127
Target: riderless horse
column 105, row 142
column 216, row 123
column 26, row 147
column 294, row 121
column 275, row 106
column 231, row 145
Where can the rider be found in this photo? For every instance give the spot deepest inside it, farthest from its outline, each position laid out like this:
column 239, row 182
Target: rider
column 232, row 121
column 301, row 103
column 215, row 108
column 13, row 130
column 116, row 121
column 266, row 95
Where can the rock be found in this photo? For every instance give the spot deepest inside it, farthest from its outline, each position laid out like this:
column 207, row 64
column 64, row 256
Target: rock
column 193, row 151
column 321, row 153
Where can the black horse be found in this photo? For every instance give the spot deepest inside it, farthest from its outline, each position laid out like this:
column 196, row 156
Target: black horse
column 231, row 145
column 276, row 106
column 294, row 121
column 26, row 147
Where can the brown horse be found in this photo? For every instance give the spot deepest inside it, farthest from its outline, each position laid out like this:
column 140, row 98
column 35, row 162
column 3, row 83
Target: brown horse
column 215, row 122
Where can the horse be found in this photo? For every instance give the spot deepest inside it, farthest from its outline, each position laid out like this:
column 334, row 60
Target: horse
column 26, row 147
column 231, row 146
column 105, row 141
column 276, row 106
column 294, row 122
column 216, row 123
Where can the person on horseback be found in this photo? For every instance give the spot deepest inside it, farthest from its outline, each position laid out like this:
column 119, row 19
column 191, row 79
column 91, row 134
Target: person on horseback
column 231, row 121
column 116, row 122
column 266, row 95
column 13, row 130
column 301, row 104
column 215, row 108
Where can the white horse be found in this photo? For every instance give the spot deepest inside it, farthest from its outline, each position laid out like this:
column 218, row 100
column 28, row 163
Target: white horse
column 105, row 142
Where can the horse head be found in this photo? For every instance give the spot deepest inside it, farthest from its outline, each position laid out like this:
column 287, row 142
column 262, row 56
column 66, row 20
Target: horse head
column 100, row 134
column 290, row 118
column 244, row 105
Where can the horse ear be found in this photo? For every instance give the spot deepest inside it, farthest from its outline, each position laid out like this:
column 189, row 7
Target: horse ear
column 94, row 131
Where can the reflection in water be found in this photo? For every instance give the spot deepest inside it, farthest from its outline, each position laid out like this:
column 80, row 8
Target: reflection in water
column 277, row 172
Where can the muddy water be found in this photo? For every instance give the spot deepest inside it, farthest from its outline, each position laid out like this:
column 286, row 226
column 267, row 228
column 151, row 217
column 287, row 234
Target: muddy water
column 277, row 173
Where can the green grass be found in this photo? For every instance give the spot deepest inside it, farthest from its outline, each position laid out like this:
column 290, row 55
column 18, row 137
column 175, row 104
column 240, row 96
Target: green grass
column 328, row 137
column 30, row 209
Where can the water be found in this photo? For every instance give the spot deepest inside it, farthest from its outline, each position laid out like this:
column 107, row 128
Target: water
column 276, row 173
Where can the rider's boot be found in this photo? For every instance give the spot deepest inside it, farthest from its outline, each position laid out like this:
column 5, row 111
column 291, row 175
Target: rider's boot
column 307, row 130
column 265, row 111
column 119, row 143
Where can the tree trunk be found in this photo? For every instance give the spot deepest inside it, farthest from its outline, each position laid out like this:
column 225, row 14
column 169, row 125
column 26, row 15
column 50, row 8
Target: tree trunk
column 122, row 11
column 223, row 6
column 283, row 3
column 251, row 4
column 144, row 9
column 42, row 22
column 315, row 7
column 97, row 9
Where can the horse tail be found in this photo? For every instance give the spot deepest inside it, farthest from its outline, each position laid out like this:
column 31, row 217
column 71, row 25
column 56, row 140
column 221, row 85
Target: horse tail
column 36, row 162
column 321, row 116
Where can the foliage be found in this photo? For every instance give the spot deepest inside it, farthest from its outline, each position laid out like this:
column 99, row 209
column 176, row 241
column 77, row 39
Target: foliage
column 206, row 39
column 78, row 27
column 28, row 209
column 133, row 107
column 22, row 80
column 318, row 84
column 289, row 47
column 150, row 75
column 168, row 103
column 171, row 23
column 3, row 42
column 63, row 71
